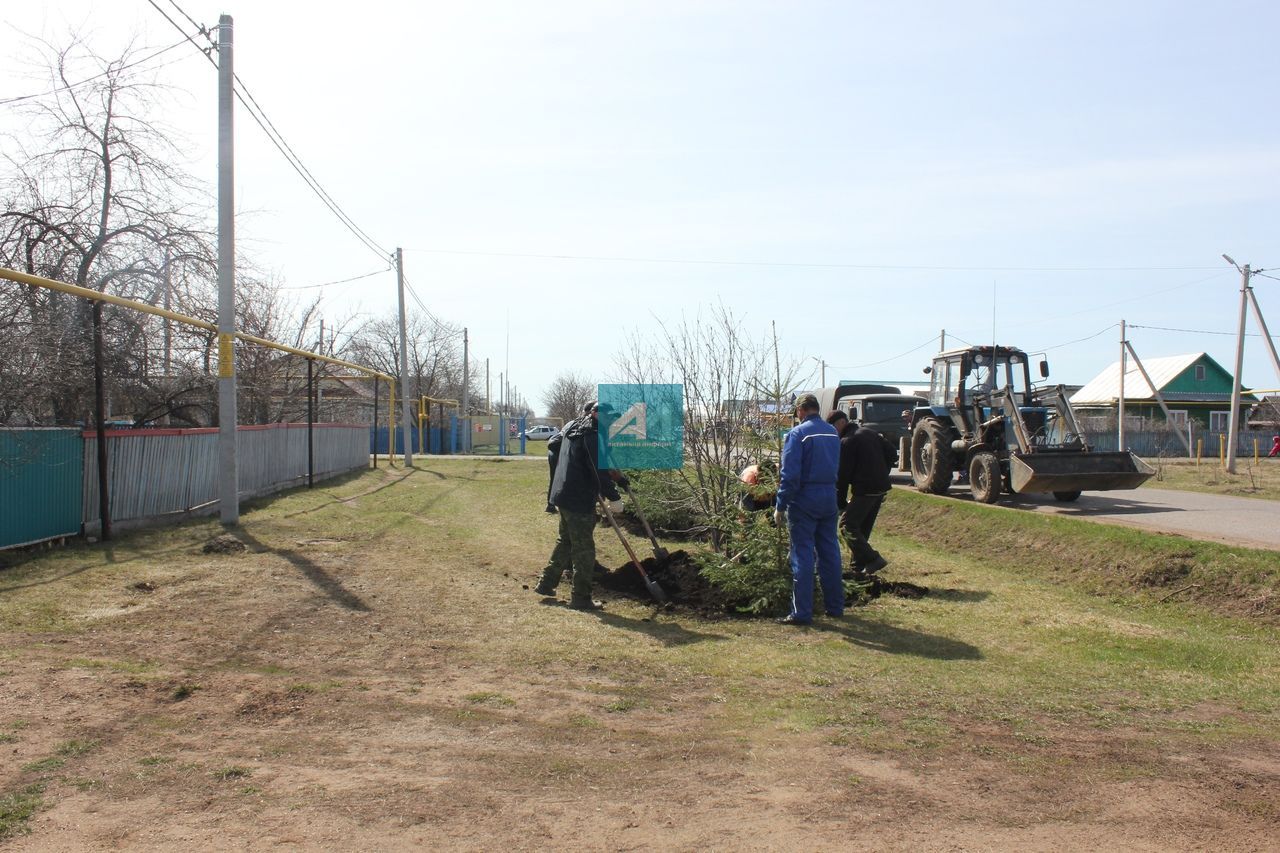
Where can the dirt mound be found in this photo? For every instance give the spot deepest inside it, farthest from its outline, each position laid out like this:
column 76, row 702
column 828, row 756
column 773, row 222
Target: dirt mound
column 223, row 545
column 679, row 578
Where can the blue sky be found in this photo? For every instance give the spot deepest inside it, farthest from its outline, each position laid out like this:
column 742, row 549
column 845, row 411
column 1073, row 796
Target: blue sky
column 939, row 156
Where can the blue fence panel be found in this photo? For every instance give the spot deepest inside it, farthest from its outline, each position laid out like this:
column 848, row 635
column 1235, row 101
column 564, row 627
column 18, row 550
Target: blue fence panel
column 40, row 492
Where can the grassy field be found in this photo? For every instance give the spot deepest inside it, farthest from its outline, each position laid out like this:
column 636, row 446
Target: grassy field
column 1259, row 479
column 372, row 671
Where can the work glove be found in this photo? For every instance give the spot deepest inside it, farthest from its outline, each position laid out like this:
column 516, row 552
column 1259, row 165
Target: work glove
column 779, row 516
column 615, row 507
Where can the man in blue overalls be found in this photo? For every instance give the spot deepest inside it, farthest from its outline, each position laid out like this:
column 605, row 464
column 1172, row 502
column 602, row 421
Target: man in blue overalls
column 807, row 496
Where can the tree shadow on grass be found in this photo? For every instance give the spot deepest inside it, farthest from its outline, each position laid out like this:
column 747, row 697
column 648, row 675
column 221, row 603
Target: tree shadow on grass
column 311, row 570
column 899, row 641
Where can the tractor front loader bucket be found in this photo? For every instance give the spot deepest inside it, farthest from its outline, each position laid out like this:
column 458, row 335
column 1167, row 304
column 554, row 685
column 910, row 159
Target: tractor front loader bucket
column 1072, row 471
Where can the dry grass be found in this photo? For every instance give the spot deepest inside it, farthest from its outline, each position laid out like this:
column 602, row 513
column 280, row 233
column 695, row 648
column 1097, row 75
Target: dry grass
column 1253, row 478
column 372, row 672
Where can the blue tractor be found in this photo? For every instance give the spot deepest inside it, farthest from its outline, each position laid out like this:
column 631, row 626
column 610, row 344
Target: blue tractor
column 985, row 421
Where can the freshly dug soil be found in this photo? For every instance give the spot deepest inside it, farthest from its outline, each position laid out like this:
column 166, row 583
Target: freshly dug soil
column 678, row 576
column 223, row 545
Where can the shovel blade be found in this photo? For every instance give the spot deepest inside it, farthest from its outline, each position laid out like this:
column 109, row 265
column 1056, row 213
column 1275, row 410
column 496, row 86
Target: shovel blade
column 658, row 593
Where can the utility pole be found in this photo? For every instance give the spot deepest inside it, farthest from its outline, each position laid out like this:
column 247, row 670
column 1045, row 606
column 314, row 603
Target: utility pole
column 319, row 388
column 228, row 473
column 942, row 341
column 466, row 389
column 406, row 412
column 1266, row 333
column 488, row 404
column 1124, row 354
column 168, row 306
column 1233, row 419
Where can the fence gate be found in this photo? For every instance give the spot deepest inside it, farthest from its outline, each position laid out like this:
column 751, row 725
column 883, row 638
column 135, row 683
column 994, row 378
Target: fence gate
column 40, row 485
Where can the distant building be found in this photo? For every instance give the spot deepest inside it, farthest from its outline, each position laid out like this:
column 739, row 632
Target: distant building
column 1194, row 386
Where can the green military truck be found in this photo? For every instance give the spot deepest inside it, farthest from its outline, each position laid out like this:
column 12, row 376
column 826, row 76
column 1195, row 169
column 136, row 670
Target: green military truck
column 883, row 408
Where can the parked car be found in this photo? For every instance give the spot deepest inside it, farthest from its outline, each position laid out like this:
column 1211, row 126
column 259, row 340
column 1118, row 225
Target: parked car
column 541, row 432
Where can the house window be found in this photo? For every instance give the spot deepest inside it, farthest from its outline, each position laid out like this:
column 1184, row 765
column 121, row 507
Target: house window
column 1178, row 417
column 1219, row 421
column 1199, row 372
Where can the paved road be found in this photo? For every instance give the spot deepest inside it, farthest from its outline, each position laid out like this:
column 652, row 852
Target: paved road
column 1251, row 522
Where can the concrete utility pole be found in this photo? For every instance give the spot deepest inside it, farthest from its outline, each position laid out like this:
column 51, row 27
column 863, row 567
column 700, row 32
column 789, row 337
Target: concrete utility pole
column 1233, row 418
column 168, row 327
column 228, row 472
column 466, row 390
column 406, row 411
column 942, row 341
column 1266, row 333
column 488, row 404
column 1124, row 341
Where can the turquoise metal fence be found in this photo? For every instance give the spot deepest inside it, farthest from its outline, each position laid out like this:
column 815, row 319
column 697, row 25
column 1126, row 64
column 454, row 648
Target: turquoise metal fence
column 41, row 488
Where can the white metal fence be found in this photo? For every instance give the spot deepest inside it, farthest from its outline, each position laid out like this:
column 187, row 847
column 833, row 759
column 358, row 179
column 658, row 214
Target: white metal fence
column 155, row 473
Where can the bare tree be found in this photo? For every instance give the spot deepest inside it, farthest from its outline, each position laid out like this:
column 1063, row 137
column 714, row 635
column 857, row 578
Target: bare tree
column 95, row 200
column 730, row 380
column 568, row 393
column 435, row 355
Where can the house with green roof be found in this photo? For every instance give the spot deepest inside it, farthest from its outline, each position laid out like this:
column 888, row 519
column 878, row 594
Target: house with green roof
column 1194, row 386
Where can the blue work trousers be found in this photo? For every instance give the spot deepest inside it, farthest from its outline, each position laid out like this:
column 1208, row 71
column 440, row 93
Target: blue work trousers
column 810, row 534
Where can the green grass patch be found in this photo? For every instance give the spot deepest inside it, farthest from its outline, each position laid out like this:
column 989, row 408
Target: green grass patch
column 17, row 807
column 235, row 771
column 1102, row 558
column 75, row 748
column 44, row 765
column 134, row 667
column 488, row 697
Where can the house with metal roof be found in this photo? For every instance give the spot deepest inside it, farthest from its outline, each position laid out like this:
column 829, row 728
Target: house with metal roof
column 1194, row 386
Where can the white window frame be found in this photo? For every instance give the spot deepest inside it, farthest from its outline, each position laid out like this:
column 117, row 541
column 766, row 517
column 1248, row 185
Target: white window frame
column 1219, row 421
column 1200, row 373
column 1178, row 416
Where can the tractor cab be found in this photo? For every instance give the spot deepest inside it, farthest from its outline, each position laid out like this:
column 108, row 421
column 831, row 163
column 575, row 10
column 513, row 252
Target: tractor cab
column 961, row 378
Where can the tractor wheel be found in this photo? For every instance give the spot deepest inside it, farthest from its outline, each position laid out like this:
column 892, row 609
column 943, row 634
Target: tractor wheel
column 1067, row 497
column 984, row 478
column 931, row 457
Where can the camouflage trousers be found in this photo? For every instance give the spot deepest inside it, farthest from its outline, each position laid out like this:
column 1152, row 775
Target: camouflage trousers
column 576, row 549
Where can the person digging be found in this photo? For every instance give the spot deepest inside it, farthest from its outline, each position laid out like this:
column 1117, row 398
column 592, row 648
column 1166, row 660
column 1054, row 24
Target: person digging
column 578, row 484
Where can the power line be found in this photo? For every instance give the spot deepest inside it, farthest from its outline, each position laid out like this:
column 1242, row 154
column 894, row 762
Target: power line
column 1193, row 331
column 328, row 199
column 199, row 27
column 707, row 262
column 277, row 139
column 931, row 339
column 1081, row 340
column 69, row 86
column 339, row 281
column 186, row 37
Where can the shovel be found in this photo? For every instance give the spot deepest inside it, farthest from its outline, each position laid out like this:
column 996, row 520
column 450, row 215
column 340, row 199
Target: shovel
column 656, row 591
column 660, row 554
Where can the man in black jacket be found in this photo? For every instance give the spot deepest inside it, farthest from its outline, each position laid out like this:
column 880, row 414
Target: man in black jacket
column 866, row 457
column 553, row 450
column 578, row 484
